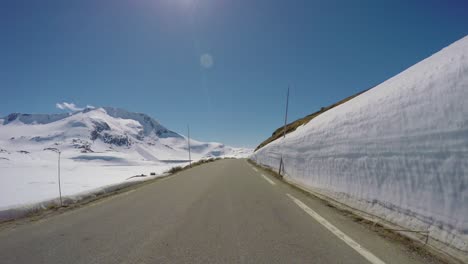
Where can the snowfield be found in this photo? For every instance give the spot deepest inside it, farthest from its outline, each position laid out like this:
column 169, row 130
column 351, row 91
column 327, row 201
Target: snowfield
column 100, row 147
column 399, row 151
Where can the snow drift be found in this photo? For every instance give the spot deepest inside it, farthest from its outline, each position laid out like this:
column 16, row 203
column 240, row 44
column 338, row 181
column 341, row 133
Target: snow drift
column 399, row 151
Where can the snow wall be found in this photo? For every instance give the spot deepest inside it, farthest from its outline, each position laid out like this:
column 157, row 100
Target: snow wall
column 398, row 151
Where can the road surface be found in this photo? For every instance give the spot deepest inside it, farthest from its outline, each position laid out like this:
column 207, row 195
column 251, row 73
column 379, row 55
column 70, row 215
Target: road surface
column 220, row 212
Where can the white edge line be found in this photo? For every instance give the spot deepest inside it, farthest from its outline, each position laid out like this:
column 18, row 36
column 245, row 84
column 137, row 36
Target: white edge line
column 353, row 244
column 254, row 169
column 268, row 180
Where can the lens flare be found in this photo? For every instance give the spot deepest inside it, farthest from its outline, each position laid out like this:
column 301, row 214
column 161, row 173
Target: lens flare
column 206, row 61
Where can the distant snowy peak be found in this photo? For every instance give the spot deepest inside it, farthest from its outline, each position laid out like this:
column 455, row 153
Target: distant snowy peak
column 149, row 125
column 104, row 130
column 33, row 118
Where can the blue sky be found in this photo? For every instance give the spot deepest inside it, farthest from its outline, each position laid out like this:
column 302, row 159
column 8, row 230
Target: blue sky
column 144, row 56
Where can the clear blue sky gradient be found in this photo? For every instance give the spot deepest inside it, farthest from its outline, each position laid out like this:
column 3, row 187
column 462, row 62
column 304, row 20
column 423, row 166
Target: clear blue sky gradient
column 144, row 56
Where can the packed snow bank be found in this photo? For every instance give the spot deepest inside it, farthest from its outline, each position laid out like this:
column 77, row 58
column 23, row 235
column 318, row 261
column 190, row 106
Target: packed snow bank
column 398, row 151
column 68, row 199
column 27, row 182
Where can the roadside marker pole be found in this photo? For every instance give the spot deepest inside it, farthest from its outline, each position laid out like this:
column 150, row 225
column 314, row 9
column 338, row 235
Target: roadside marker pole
column 286, row 114
column 56, row 150
column 188, row 137
column 60, row 185
column 281, row 166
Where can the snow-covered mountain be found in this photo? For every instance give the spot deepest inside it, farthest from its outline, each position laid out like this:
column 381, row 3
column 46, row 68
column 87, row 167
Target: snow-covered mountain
column 99, row 147
column 103, row 133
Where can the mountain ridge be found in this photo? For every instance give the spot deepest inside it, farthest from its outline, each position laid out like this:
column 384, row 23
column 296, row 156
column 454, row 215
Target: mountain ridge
column 101, row 130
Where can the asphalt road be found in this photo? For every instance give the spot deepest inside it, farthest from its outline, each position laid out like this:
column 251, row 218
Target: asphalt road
column 221, row 212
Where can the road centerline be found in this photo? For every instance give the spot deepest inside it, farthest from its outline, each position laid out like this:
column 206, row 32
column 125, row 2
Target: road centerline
column 349, row 241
